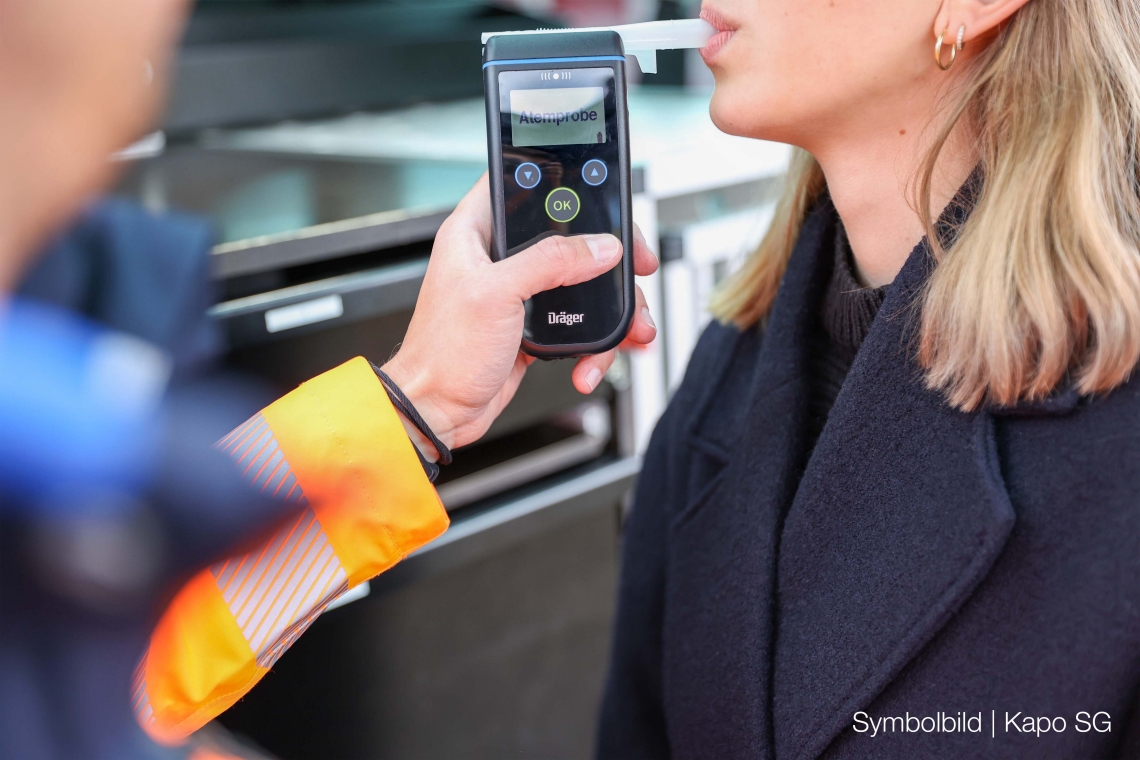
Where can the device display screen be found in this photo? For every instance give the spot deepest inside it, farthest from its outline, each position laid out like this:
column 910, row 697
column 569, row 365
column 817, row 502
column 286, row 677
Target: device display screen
column 561, row 176
column 567, row 116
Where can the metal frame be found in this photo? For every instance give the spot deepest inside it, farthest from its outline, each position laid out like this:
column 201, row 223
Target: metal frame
column 472, row 537
column 325, row 241
column 371, row 293
column 531, row 466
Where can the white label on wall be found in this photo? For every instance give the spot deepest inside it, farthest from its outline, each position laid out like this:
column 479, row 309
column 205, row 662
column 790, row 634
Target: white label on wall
column 304, row 313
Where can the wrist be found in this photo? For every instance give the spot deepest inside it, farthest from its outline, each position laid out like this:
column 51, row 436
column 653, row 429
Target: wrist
column 418, row 439
column 418, row 389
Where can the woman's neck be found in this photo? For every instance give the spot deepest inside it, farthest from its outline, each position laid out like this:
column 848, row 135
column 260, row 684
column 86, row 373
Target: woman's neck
column 871, row 174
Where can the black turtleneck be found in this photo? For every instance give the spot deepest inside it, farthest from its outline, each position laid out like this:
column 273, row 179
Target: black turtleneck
column 845, row 316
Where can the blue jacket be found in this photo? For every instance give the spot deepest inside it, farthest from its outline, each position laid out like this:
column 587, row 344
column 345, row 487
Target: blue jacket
column 68, row 647
column 775, row 601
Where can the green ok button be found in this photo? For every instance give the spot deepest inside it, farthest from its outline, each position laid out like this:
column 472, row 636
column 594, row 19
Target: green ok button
column 562, row 205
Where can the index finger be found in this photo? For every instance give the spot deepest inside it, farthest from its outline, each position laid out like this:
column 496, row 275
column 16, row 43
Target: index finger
column 472, row 215
column 644, row 260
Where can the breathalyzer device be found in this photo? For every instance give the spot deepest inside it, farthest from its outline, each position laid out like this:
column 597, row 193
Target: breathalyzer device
column 559, row 160
column 558, row 145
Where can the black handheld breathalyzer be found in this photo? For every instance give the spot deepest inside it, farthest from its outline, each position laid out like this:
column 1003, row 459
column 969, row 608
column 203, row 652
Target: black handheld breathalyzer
column 558, row 145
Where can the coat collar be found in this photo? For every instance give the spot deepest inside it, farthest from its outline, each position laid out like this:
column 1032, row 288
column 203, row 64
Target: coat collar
column 899, row 514
column 751, row 445
column 782, row 361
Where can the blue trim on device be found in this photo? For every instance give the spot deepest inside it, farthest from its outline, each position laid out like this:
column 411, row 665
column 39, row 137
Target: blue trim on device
column 556, row 60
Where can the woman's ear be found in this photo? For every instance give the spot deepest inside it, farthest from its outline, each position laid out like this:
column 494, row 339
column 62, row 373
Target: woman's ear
column 982, row 18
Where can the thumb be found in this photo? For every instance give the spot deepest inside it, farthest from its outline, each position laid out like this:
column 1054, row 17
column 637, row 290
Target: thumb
column 557, row 261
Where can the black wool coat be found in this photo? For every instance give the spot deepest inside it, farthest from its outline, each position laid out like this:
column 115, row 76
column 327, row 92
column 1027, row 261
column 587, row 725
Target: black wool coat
column 918, row 561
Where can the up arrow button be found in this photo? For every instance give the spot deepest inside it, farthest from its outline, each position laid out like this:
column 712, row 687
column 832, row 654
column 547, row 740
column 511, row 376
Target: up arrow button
column 594, row 172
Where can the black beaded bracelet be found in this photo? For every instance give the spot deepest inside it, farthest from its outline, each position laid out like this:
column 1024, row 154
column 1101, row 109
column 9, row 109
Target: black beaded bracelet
column 401, row 402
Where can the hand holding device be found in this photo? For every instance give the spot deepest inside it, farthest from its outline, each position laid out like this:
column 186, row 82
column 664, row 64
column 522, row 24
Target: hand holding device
column 459, row 363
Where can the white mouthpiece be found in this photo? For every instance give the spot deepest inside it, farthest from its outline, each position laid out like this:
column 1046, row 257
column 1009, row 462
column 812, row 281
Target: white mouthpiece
column 644, row 40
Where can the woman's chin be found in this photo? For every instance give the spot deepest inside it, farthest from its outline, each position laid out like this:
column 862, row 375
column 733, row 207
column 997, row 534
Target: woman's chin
column 727, row 114
column 743, row 112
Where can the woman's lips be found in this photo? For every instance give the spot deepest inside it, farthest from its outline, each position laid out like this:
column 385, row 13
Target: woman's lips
column 709, row 51
column 725, row 30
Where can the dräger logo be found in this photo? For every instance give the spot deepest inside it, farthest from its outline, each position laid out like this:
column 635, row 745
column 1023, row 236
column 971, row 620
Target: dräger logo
column 562, row 318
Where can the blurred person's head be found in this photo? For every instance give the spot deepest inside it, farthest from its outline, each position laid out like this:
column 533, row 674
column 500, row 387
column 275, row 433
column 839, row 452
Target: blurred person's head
column 79, row 80
column 1042, row 283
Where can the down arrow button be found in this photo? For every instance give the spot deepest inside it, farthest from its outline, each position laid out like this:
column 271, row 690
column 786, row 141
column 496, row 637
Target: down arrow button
column 528, row 175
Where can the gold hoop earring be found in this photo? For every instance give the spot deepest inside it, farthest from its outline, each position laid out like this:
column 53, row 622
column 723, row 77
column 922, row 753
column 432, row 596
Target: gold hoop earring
column 953, row 48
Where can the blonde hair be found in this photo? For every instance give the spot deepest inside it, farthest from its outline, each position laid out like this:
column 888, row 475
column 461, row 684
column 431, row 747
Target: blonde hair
column 1042, row 280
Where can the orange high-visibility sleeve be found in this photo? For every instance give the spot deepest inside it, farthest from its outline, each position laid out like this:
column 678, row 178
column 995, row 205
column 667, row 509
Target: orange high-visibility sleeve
column 337, row 450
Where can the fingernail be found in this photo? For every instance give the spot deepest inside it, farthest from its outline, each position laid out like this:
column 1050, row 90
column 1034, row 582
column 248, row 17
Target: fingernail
column 593, row 377
column 603, row 247
column 648, row 317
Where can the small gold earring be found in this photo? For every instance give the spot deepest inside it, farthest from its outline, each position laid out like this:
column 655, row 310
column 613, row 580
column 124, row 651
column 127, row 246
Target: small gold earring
column 953, row 48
